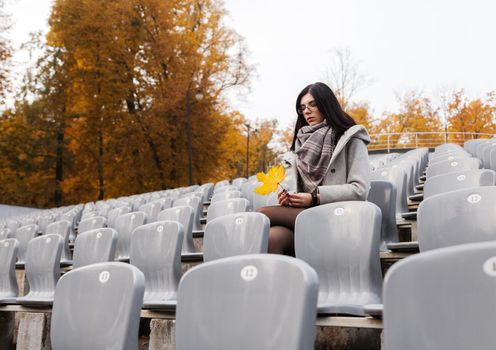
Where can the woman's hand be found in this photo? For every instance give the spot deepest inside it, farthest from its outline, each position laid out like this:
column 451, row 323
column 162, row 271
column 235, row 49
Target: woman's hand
column 300, row 200
column 283, row 198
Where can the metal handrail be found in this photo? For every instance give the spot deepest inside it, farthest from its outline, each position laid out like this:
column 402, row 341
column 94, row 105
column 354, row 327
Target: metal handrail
column 422, row 139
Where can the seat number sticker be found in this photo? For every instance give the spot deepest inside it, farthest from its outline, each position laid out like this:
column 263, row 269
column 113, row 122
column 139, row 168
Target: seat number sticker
column 489, row 266
column 474, row 198
column 104, row 276
column 249, row 273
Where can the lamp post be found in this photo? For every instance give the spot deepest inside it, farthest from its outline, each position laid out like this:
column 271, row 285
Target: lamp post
column 248, row 128
column 198, row 97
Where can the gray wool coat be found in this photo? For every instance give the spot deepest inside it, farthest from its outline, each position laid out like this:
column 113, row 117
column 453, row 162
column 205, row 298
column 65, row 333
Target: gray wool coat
column 348, row 172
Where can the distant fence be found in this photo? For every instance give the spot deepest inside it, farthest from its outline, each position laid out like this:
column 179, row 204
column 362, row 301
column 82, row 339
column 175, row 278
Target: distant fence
column 388, row 141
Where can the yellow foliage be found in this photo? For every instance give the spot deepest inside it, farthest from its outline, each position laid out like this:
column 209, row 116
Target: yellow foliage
column 271, row 180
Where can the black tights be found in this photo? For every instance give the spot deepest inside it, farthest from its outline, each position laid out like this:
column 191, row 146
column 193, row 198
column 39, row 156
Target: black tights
column 281, row 234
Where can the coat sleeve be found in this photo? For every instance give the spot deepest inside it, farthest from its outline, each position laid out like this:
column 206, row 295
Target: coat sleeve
column 357, row 185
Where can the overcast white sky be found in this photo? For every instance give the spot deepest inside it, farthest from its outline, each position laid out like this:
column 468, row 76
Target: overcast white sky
column 402, row 45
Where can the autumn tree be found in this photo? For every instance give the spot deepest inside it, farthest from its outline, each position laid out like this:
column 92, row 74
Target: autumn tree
column 416, row 114
column 471, row 116
column 115, row 92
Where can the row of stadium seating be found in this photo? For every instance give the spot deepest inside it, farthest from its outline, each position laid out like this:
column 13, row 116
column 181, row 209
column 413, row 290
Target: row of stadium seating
column 336, row 270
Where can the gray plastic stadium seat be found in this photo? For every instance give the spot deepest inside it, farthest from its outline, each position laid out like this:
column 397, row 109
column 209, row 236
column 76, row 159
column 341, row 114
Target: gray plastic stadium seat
column 43, row 221
column 63, row 229
column 207, row 190
column 13, row 225
column 98, row 307
column 42, row 269
column 91, row 223
column 225, row 188
column 125, row 225
column 238, row 182
column 225, row 195
column 383, row 194
column 197, row 205
column 458, row 180
column 409, row 167
column 8, row 281
column 341, row 242
column 247, row 190
column 397, row 176
column 236, row 234
column 115, row 213
column 486, row 154
column 492, row 159
column 228, row 206
column 259, row 201
column 94, row 246
column 442, row 299
column 23, row 235
column 262, row 301
column 457, row 217
column 220, row 184
column 5, row 233
column 151, row 211
column 156, row 251
column 184, row 215
column 451, row 166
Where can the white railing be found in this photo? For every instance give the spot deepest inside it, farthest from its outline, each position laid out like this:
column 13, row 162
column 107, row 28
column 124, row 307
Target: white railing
column 388, row 141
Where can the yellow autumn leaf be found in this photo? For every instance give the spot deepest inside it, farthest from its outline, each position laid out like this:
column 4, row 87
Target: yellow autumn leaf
column 271, row 180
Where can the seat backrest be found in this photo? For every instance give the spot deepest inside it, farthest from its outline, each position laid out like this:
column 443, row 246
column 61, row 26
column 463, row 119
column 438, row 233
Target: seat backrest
column 207, row 190
column 43, row 265
column 94, row 246
column 63, row 229
column 247, row 190
column 43, row 221
column 13, row 225
column 91, row 223
column 441, row 299
column 113, row 291
column 8, row 281
column 383, row 194
column 238, row 182
column 115, row 213
column 397, row 176
column 486, row 154
column 458, row 180
column 156, row 251
column 220, row 184
column 151, row 211
column 457, row 217
column 451, row 166
column 261, row 301
column 165, row 202
column 341, row 242
column 227, row 206
column 5, row 233
column 184, row 215
column 197, row 205
column 23, row 235
column 225, row 188
column 236, row 234
column 125, row 225
column 492, row 159
column 225, row 195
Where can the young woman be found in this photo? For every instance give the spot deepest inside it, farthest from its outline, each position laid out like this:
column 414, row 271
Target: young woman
column 330, row 162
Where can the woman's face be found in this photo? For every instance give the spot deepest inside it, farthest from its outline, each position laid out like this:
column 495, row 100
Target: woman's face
column 310, row 111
